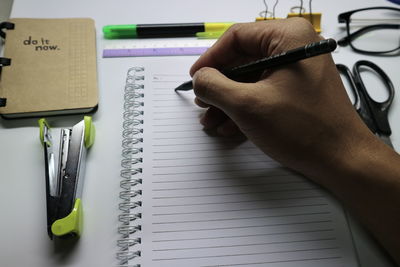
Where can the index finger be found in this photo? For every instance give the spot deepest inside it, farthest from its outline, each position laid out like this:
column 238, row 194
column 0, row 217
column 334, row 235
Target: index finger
column 245, row 42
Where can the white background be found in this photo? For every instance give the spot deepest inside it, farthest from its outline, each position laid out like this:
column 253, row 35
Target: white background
column 23, row 237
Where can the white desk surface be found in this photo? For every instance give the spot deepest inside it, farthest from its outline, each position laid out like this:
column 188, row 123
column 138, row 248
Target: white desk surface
column 23, row 238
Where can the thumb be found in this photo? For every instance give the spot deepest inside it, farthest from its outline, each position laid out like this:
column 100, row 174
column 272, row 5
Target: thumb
column 214, row 88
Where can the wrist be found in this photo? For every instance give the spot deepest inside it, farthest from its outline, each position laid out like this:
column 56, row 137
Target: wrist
column 363, row 167
column 353, row 161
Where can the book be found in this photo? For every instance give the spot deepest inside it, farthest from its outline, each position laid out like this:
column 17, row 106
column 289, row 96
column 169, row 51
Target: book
column 191, row 198
column 50, row 67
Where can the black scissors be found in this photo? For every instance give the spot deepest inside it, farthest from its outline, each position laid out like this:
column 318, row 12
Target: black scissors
column 373, row 113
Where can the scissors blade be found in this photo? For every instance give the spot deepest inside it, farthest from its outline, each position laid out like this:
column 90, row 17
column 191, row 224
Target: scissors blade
column 386, row 139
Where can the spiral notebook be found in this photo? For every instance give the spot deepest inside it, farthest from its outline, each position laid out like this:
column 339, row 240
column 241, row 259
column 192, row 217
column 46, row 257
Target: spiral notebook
column 189, row 198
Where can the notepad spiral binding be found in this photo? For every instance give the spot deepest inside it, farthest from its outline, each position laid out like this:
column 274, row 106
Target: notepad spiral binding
column 130, row 215
column 4, row 61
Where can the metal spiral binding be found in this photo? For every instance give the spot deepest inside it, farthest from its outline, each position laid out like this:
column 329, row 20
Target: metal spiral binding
column 130, row 215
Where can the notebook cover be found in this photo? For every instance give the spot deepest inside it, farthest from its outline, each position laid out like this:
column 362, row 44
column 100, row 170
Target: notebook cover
column 53, row 67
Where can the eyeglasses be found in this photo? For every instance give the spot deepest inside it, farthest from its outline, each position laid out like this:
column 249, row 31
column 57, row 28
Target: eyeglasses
column 374, row 30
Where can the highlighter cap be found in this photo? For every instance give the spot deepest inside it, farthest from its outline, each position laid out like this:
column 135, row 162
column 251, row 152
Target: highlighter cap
column 120, row 31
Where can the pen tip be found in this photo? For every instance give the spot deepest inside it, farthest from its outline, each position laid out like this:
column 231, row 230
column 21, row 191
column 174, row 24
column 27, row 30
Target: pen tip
column 185, row 86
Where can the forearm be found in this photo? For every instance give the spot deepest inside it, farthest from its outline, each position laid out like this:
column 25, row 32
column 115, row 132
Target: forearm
column 367, row 181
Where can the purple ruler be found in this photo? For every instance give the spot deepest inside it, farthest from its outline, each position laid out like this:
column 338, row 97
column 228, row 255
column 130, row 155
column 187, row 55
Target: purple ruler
column 155, row 51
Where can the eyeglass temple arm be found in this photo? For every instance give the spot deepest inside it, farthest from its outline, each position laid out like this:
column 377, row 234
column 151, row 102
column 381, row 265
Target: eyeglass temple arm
column 346, row 40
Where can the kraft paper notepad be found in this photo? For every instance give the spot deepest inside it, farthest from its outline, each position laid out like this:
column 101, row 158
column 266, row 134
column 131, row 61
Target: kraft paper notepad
column 49, row 67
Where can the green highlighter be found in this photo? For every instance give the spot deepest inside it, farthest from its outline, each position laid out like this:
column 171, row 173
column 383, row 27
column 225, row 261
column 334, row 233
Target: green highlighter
column 64, row 188
column 164, row 30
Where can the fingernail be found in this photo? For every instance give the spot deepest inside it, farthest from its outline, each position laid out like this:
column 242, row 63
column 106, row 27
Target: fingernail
column 194, row 79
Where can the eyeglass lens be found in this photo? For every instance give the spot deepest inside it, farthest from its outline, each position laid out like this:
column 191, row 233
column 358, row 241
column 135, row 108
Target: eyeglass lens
column 376, row 30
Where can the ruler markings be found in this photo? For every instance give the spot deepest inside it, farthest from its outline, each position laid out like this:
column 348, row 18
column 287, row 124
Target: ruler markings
column 140, row 48
column 146, row 52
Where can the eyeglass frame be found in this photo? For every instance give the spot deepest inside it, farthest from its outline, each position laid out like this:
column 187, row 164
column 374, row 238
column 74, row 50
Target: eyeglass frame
column 347, row 40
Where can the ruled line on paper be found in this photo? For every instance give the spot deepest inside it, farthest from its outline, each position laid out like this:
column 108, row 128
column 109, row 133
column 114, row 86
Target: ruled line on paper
column 184, row 107
column 213, row 171
column 232, row 145
column 330, row 230
column 241, row 218
column 249, row 254
column 204, row 164
column 231, row 186
column 198, row 136
column 176, row 124
column 271, row 176
column 234, row 177
column 212, row 157
column 277, row 261
column 204, row 150
column 178, row 110
column 237, row 202
column 252, row 209
column 235, row 194
column 176, row 131
column 163, row 100
column 164, row 81
column 168, row 89
column 189, row 106
column 175, row 111
column 244, row 226
column 162, row 94
column 175, row 118
column 250, row 244
column 292, row 241
column 170, row 75
column 198, row 143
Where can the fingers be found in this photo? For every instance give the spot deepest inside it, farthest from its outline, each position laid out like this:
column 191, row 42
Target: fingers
column 201, row 103
column 215, row 119
column 228, row 128
column 244, row 42
column 213, row 88
column 222, row 97
column 234, row 44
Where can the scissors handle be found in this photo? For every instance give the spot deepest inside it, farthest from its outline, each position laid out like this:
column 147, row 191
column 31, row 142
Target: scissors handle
column 360, row 104
column 379, row 110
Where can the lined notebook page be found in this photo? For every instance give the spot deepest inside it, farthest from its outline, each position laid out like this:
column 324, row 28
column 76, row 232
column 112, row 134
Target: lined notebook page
column 212, row 201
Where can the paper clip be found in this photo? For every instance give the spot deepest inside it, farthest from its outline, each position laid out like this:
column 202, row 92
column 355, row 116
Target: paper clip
column 313, row 18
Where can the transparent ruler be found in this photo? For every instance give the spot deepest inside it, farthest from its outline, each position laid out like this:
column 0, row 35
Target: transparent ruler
column 161, row 47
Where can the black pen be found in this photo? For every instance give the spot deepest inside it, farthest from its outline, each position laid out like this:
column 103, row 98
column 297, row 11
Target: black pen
column 291, row 56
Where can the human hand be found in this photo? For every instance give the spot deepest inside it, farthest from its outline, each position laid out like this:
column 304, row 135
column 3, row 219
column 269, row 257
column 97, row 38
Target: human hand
column 299, row 114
